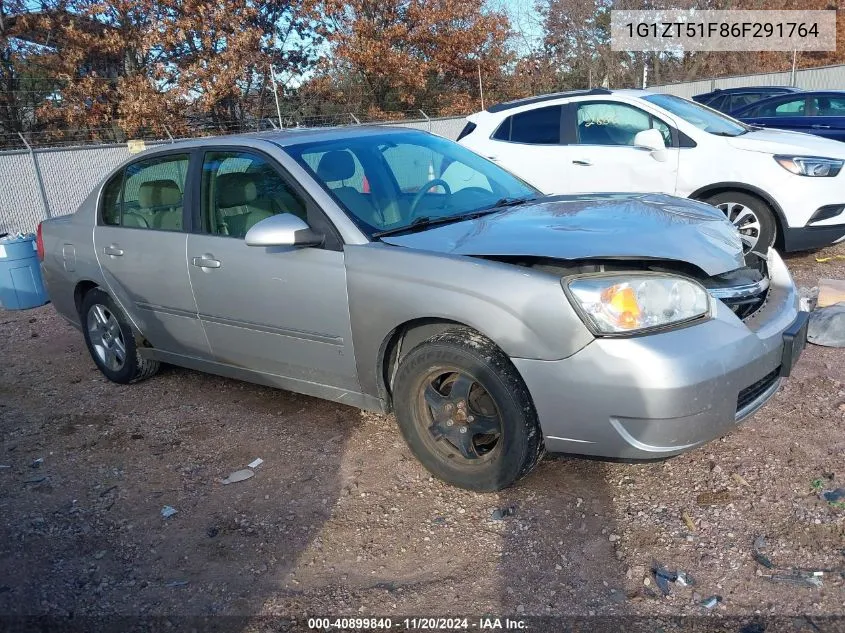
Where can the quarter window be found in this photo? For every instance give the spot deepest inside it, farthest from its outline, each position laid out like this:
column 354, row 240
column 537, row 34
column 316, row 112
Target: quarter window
column 240, row 189
column 616, row 124
column 148, row 194
column 744, row 99
column 110, row 205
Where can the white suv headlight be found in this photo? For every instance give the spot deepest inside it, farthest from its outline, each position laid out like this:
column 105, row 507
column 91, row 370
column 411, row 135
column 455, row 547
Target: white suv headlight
column 810, row 165
column 632, row 302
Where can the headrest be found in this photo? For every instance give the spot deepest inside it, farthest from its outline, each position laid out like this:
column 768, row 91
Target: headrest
column 159, row 193
column 236, row 189
column 336, row 165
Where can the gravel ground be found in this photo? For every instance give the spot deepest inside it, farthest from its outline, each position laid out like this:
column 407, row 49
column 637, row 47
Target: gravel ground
column 340, row 519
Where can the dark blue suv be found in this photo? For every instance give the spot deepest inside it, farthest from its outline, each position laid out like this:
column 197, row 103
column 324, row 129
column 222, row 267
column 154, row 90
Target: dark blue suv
column 818, row 112
column 728, row 99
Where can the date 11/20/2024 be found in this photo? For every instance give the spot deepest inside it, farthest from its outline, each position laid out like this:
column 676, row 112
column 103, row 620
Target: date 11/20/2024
column 485, row 623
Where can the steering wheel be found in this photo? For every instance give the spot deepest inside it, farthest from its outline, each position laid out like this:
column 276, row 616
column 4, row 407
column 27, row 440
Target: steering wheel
column 425, row 188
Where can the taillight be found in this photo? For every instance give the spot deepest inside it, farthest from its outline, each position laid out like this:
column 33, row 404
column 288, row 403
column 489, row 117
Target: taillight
column 39, row 243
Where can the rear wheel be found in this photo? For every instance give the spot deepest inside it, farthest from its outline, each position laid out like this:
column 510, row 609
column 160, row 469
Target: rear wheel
column 110, row 340
column 465, row 412
column 752, row 217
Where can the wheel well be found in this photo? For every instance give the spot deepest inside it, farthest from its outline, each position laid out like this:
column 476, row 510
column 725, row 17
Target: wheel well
column 401, row 341
column 777, row 214
column 82, row 289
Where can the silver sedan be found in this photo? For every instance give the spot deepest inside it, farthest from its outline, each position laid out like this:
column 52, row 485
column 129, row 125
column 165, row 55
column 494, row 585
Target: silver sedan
column 393, row 270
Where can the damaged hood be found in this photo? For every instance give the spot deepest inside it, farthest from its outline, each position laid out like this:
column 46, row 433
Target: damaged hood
column 620, row 226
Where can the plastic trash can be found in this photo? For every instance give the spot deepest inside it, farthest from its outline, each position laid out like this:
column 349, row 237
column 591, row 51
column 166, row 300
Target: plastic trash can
column 21, row 285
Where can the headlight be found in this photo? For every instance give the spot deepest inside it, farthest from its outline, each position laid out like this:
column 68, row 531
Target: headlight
column 810, row 165
column 626, row 303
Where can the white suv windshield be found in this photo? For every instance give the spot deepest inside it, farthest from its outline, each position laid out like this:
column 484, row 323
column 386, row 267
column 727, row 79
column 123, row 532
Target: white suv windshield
column 699, row 116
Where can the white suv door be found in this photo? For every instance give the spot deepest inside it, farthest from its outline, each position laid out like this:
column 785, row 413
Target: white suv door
column 583, row 147
column 603, row 156
column 528, row 144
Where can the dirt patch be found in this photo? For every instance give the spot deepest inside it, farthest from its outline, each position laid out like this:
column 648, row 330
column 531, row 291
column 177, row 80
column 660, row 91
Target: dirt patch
column 340, row 519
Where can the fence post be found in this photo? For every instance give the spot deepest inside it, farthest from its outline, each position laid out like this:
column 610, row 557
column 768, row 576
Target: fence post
column 355, row 119
column 169, row 135
column 44, row 203
column 427, row 118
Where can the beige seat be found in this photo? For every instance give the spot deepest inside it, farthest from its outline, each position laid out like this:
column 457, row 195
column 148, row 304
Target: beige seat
column 338, row 166
column 239, row 206
column 160, row 203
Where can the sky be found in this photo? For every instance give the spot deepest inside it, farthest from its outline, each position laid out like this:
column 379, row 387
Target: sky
column 525, row 21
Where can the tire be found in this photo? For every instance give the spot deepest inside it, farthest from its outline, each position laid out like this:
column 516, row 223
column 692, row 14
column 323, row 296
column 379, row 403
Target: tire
column 735, row 205
column 460, row 366
column 110, row 340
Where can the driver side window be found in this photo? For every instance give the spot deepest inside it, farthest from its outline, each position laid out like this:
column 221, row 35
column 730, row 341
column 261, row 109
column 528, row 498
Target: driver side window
column 239, row 189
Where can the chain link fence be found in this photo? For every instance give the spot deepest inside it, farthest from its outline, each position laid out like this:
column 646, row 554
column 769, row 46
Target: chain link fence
column 38, row 183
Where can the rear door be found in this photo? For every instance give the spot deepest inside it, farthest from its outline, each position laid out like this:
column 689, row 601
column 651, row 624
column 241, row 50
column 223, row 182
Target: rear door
column 529, row 144
column 280, row 311
column 140, row 244
column 603, row 157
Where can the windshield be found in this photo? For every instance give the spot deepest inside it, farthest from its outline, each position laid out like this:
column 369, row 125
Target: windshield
column 386, row 182
column 699, row 116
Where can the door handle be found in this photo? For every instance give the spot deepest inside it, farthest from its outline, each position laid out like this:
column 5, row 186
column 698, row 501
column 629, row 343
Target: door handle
column 206, row 261
column 818, row 126
column 582, row 162
column 113, row 251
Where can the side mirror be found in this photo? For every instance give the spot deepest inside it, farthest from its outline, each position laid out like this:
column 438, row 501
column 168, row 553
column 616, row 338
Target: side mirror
column 652, row 140
column 284, row 229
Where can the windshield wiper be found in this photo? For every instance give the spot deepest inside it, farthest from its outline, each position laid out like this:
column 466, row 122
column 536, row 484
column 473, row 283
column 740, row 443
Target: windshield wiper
column 501, row 203
column 424, row 221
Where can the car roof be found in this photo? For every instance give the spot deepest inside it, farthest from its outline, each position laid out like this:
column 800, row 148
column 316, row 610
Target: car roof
column 776, row 98
column 518, row 103
column 775, row 89
column 289, row 136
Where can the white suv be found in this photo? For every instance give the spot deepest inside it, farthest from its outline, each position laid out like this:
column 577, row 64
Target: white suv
column 770, row 183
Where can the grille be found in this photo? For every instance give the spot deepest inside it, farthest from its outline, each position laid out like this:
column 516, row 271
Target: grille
column 746, row 306
column 755, row 390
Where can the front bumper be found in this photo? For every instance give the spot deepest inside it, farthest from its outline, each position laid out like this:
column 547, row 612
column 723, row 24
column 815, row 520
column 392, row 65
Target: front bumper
column 661, row 394
column 809, row 237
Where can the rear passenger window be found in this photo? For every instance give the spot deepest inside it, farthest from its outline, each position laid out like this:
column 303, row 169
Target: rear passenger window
column 743, row 99
column 147, row 194
column 239, row 189
column 540, row 126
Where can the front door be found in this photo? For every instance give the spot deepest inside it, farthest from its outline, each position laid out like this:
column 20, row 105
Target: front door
column 603, row 157
column 140, row 244
column 281, row 311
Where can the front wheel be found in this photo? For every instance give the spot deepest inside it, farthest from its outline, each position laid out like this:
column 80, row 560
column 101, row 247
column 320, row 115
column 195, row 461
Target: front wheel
column 465, row 412
column 110, row 340
column 752, row 217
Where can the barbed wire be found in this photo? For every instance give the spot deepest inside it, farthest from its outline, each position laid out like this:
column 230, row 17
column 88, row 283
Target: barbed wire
column 194, row 127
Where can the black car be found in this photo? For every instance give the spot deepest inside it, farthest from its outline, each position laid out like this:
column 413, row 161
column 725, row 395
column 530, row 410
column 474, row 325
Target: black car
column 819, row 112
column 729, row 99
